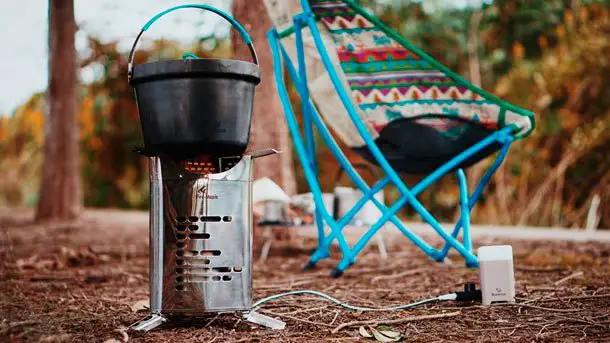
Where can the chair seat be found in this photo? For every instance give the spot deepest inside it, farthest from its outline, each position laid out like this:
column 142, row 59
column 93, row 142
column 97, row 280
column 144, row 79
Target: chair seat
column 412, row 146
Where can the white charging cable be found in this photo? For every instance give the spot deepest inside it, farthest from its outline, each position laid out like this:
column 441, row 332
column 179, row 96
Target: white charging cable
column 444, row 297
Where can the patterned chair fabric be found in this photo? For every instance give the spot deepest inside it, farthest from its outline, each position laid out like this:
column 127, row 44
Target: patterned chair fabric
column 391, row 79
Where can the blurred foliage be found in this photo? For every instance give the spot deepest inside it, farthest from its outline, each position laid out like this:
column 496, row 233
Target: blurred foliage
column 113, row 175
column 550, row 56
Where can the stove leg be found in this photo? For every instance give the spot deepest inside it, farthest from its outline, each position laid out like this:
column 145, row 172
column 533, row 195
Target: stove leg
column 149, row 323
column 263, row 320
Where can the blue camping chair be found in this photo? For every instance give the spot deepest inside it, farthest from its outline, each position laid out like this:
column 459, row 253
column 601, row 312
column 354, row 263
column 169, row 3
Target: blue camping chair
column 392, row 103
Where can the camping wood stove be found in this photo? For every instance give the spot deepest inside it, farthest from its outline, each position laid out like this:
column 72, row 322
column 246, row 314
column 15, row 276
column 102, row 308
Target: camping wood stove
column 200, row 236
column 195, row 114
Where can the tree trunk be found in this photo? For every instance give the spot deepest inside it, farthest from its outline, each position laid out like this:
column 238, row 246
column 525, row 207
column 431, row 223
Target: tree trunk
column 60, row 191
column 269, row 129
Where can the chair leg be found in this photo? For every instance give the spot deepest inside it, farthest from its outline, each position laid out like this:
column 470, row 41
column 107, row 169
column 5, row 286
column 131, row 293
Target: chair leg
column 265, row 250
column 310, row 265
column 464, row 209
column 345, row 263
column 472, row 200
column 267, row 245
column 381, row 246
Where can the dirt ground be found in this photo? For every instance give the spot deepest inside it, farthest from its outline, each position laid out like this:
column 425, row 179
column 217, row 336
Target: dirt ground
column 78, row 283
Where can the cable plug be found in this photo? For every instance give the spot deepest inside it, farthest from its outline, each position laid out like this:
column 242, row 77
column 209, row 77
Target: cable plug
column 470, row 293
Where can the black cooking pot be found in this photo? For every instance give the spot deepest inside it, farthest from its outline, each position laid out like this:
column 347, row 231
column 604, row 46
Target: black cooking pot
column 193, row 106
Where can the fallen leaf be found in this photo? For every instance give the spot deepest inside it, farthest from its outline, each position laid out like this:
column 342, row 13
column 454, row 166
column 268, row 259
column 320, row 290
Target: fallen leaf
column 124, row 335
column 112, row 340
column 140, row 305
column 364, row 333
column 383, row 338
column 391, row 334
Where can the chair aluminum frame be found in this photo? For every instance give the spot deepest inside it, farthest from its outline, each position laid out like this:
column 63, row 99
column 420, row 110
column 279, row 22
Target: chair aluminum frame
column 305, row 148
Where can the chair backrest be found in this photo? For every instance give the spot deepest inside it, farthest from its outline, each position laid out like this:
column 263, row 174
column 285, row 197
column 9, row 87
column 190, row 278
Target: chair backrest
column 387, row 77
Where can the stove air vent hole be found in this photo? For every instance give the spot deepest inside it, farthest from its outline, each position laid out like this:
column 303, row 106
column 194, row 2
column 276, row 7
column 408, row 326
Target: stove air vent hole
column 213, row 219
column 210, row 252
column 199, row 235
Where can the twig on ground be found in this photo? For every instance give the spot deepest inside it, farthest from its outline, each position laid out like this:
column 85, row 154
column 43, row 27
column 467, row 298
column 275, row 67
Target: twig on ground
column 579, row 297
column 538, row 269
column 295, row 318
column 537, row 307
column 496, row 329
column 394, row 321
column 306, row 310
column 398, row 275
column 570, row 277
column 335, row 317
column 246, row 339
column 211, row 320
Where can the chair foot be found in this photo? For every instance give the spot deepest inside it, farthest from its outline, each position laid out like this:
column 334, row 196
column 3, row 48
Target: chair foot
column 336, row 273
column 472, row 265
column 309, row 266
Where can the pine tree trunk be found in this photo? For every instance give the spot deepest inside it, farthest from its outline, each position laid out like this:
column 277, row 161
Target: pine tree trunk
column 269, row 128
column 60, row 191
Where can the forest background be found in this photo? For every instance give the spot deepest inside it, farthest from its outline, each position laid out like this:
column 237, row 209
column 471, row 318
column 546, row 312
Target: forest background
column 550, row 56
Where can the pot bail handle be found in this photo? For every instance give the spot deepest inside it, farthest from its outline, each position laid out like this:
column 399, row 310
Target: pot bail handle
column 242, row 31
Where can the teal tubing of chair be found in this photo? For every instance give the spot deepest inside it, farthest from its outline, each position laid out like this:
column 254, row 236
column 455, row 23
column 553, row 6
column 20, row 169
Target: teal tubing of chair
column 349, row 255
column 321, row 252
column 476, row 195
column 499, row 136
column 297, row 140
column 346, row 100
column 307, row 125
column 303, row 90
column 464, row 208
column 409, row 194
column 344, row 162
column 347, row 218
column 426, row 216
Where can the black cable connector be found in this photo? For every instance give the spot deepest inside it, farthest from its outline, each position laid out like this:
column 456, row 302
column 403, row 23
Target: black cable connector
column 470, row 293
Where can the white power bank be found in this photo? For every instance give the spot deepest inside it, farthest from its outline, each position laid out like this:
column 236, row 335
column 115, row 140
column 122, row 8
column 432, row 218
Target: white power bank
column 497, row 273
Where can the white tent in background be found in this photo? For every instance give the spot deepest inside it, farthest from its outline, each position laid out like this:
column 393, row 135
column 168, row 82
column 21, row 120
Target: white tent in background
column 266, row 190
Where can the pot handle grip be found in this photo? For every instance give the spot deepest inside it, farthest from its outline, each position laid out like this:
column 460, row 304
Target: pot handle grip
column 242, row 31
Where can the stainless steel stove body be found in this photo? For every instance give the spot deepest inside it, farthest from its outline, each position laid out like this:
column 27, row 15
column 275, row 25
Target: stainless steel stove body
column 201, row 236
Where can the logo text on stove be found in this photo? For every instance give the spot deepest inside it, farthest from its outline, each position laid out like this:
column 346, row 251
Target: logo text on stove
column 202, row 193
